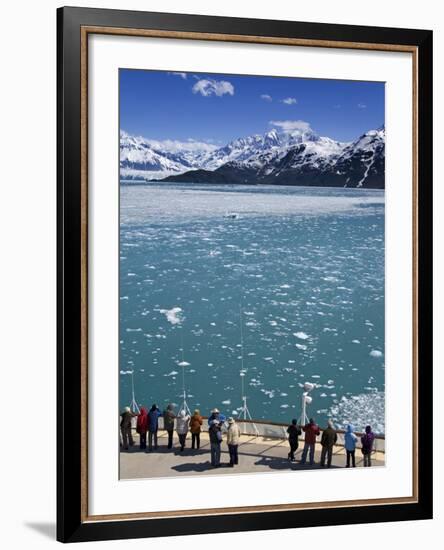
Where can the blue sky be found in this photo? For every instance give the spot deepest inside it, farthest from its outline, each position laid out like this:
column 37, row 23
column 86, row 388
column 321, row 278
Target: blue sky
column 218, row 108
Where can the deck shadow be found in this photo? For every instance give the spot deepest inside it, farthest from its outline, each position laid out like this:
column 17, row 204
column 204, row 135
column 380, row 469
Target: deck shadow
column 196, row 467
column 279, row 463
column 191, row 452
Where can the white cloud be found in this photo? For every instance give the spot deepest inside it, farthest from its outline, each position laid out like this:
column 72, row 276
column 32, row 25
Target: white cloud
column 362, row 106
column 174, row 145
column 291, row 125
column 213, row 87
column 266, row 97
column 182, row 75
column 289, row 101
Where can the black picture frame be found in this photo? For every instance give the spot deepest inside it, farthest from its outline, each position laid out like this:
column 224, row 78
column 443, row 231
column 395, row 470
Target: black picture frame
column 71, row 523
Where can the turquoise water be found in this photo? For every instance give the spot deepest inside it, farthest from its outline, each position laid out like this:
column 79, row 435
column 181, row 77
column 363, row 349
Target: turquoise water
column 302, row 267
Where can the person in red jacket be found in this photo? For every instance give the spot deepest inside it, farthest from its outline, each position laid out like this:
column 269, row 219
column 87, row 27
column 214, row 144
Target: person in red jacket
column 311, row 431
column 142, row 426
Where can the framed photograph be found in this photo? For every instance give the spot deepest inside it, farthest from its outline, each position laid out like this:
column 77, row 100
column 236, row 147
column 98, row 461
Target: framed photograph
column 244, row 274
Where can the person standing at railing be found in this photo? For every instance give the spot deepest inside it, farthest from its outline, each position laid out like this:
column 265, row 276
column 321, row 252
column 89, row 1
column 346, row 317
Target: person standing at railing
column 215, row 432
column 328, row 439
column 233, row 439
column 125, row 427
column 350, row 445
column 182, row 425
column 195, row 429
column 168, row 423
column 294, row 431
column 311, row 431
column 153, row 426
column 216, row 415
column 367, row 441
column 142, row 426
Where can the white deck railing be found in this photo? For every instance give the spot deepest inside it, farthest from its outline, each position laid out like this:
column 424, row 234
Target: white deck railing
column 275, row 430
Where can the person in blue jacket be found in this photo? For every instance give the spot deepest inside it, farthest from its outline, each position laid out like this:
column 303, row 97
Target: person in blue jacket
column 217, row 416
column 153, row 426
column 350, row 445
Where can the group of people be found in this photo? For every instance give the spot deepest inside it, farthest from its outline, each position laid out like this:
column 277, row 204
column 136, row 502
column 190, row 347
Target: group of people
column 147, row 423
column 328, row 440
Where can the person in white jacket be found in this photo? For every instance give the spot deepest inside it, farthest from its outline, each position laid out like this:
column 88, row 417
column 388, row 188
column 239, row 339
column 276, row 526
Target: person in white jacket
column 182, row 425
column 233, row 437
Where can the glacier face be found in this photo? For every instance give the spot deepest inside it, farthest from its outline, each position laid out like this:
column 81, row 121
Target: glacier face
column 300, row 157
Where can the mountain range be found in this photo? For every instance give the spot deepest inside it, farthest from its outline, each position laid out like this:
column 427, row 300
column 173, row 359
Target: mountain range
column 298, row 157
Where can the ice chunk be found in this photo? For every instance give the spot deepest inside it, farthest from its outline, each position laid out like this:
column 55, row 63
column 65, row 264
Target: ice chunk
column 173, row 315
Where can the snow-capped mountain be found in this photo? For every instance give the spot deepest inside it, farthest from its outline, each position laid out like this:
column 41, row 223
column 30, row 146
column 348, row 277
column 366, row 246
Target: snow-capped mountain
column 362, row 163
column 144, row 159
column 299, row 157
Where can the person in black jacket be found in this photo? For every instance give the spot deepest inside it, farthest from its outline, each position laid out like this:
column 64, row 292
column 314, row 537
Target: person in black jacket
column 215, row 432
column 294, row 431
column 328, row 439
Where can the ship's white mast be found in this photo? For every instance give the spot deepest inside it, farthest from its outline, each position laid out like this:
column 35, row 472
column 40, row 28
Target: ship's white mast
column 134, row 406
column 244, row 411
column 183, row 364
column 306, row 400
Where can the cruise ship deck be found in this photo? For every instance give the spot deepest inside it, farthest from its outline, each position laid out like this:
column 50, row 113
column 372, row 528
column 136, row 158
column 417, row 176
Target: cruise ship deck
column 257, row 453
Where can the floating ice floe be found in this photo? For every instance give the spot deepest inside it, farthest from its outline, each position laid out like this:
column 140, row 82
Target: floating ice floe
column 301, row 335
column 361, row 410
column 173, row 315
column 301, row 346
column 226, row 402
column 172, row 373
column 376, row 353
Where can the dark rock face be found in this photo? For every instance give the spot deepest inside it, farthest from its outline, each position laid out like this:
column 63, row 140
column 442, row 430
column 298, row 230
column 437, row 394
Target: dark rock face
column 272, row 159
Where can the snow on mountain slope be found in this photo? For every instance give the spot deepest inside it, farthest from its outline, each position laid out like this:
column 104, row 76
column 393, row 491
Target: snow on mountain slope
column 295, row 157
column 144, row 159
column 363, row 161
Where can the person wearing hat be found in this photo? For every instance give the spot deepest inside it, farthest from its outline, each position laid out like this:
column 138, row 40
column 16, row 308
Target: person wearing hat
column 168, row 423
column 328, row 439
column 311, row 432
column 294, row 431
column 233, row 438
column 350, row 440
column 216, row 415
column 215, row 432
column 125, row 427
column 142, row 427
column 182, row 424
column 367, row 440
column 153, row 426
column 195, row 429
